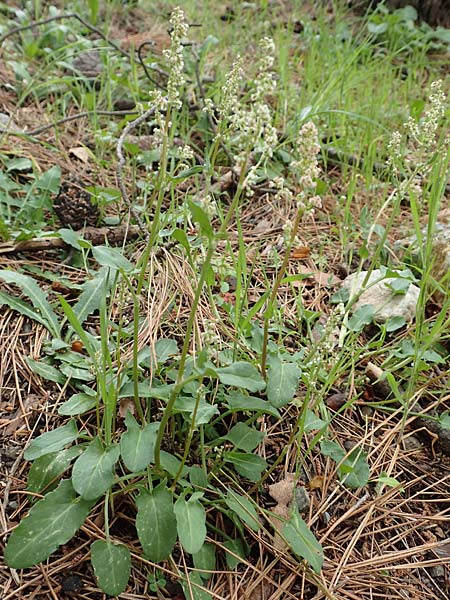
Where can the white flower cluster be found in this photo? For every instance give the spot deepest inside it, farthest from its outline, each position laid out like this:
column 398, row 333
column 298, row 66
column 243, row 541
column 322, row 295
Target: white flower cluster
column 307, row 166
column 248, row 125
column 174, row 56
column 422, row 135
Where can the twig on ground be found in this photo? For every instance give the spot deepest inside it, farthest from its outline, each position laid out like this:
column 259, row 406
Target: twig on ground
column 39, row 130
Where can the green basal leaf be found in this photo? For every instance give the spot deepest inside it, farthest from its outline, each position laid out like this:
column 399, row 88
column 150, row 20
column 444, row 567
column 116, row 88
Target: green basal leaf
column 303, row 542
column 361, row 317
column 244, row 437
column 156, row 524
column 243, row 508
column 171, row 464
column 93, row 472
column 192, row 591
column 205, row 560
column 235, row 547
column 38, row 299
column 240, row 402
column 51, row 522
column 247, row 465
column 77, row 404
column 46, row 469
column 137, row 444
column 243, row 375
column 354, row 471
column 52, row 441
column 191, row 522
column 112, row 566
column 111, row 257
column 282, row 381
column 50, row 180
column 21, row 307
column 45, row 370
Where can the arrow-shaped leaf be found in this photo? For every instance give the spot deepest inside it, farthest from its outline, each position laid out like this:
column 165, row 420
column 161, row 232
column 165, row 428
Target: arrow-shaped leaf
column 52, row 441
column 51, row 522
column 112, row 566
column 156, row 524
column 93, row 472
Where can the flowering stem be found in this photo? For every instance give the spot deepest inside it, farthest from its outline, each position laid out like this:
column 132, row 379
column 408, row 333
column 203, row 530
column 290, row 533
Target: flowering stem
column 273, row 295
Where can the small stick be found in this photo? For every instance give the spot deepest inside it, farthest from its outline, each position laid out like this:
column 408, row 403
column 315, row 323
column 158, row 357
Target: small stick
column 39, row 130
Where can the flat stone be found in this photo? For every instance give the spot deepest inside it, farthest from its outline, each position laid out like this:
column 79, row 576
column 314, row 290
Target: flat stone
column 377, row 293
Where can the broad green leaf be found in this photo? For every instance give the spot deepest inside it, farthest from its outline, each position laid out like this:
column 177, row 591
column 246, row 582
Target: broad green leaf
column 361, row 317
column 165, row 348
column 235, row 547
column 49, row 467
column 198, row 477
column 444, row 419
column 238, row 402
column 171, row 464
column 111, row 257
column 72, row 372
column 205, row 560
column 192, row 591
column 77, row 404
column 243, row 375
column 93, row 472
column 71, row 238
column 244, row 437
column 191, row 522
column 244, row 509
column 303, row 542
column 90, row 298
column 354, row 471
column 247, row 465
column 51, row 522
column 112, row 566
column 30, row 288
column 156, row 524
column 161, row 392
column 137, row 444
column 204, row 411
column 45, row 370
column 282, row 381
column 52, row 441
column 394, row 323
column 312, row 421
column 21, row 307
column 50, row 180
column 19, row 164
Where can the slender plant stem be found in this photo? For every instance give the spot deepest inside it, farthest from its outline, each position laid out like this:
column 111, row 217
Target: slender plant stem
column 273, row 295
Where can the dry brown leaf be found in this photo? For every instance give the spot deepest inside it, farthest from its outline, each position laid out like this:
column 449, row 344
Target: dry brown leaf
column 316, row 482
column 300, row 253
column 81, row 153
column 126, row 405
column 325, row 279
column 283, row 493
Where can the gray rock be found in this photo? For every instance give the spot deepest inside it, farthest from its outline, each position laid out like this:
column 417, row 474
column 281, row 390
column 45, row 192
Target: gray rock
column 7, row 123
column 385, row 301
